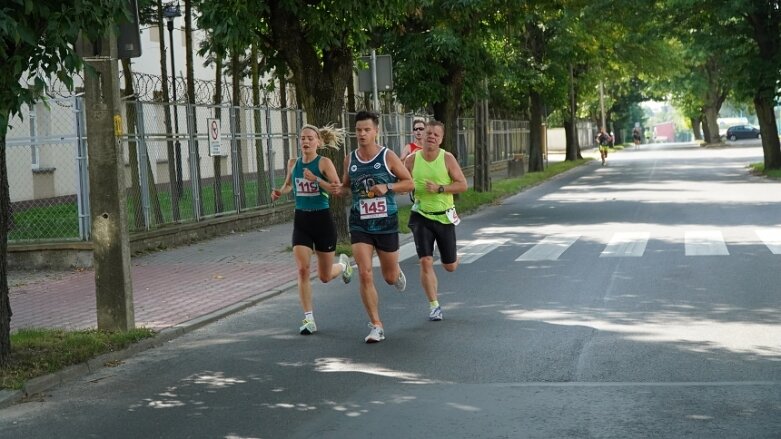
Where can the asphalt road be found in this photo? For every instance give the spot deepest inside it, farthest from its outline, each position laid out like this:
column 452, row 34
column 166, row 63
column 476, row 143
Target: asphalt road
column 641, row 299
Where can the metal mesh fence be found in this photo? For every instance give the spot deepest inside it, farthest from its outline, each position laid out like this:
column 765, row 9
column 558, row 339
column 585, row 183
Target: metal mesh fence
column 46, row 163
column 183, row 162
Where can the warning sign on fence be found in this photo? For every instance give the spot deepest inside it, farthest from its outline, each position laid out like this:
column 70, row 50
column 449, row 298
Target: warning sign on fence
column 215, row 143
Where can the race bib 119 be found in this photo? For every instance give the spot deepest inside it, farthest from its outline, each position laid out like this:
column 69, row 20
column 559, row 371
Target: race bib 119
column 306, row 188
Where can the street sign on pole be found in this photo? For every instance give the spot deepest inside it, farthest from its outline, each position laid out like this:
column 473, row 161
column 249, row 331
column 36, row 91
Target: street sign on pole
column 384, row 72
column 215, row 145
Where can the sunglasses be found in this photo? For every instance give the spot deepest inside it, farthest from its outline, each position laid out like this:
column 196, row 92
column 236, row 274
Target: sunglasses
column 418, row 129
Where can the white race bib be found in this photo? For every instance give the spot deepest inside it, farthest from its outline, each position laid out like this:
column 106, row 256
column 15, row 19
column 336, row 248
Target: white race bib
column 452, row 216
column 373, row 207
column 306, row 188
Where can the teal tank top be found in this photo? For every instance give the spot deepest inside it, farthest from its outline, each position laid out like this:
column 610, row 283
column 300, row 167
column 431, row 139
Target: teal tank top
column 309, row 194
column 372, row 213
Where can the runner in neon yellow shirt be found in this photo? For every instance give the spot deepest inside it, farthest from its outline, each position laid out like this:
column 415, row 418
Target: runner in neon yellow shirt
column 437, row 176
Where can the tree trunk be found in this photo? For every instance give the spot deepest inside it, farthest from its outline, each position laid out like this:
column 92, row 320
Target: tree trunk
column 285, row 123
column 714, row 98
column 132, row 129
column 260, row 161
column 5, row 221
column 351, row 97
column 573, row 145
column 137, row 212
column 711, row 121
column 188, row 42
column 765, row 22
column 446, row 110
column 217, row 160
column 167, row 116
column 705, row 129
column 696, row 127
column 482, row 177
column 771, row 147
column 536, row 45
column 536, row 163
column 236, row 85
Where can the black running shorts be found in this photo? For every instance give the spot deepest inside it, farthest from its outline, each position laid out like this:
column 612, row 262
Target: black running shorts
column 426, row 232
column 387, row 242
column 314, row 228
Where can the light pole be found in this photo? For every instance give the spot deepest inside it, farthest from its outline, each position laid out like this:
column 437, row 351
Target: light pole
column 171, row 11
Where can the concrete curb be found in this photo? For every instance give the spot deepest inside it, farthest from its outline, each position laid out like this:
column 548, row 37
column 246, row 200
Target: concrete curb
column 70, row 374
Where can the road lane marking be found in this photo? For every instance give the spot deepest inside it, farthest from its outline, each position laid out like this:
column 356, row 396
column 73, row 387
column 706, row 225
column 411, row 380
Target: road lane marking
column 626, row 244
column 705, row 243
column 474, row 250
column 772, row 239
column 550, row 248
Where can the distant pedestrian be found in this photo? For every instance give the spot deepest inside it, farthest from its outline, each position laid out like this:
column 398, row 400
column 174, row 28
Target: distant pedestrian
column 373, row 173
column 437, row 176
column 637, row 136
column 312, row 178
column 603, row 142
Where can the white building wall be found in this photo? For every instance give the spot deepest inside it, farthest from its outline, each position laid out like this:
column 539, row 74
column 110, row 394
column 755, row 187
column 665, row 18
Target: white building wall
column 557, row 139
column 149, row 61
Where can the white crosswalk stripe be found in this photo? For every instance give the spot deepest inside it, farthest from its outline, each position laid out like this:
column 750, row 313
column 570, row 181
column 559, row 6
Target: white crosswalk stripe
column 772, row 239
column 406, row 251
column 621, row 244
column 550, row 248
column 626, row 244
column 473, row 250
column 704, row 243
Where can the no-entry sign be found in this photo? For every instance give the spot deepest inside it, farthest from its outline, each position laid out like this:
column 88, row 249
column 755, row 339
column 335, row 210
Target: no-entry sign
column 215, row 145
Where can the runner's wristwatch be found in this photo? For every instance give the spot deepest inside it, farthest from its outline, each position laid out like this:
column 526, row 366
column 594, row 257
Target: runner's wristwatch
column 441, row 189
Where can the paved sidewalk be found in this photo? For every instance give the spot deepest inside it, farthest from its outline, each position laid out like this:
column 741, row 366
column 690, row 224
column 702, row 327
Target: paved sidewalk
column 169, row 287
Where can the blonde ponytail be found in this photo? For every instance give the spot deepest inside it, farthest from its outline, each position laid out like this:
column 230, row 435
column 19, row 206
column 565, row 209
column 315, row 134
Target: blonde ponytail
column 332, row 137
column 329, row 135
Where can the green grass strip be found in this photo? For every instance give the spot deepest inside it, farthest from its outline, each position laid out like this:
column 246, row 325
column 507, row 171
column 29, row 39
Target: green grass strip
column 36, row 352
column 759, row 169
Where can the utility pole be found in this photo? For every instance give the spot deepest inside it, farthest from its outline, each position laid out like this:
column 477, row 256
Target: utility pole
column 170, row 12
column 111, row 248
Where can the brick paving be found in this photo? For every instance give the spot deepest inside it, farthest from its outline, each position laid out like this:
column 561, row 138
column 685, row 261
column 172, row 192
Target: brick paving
column 169, row 287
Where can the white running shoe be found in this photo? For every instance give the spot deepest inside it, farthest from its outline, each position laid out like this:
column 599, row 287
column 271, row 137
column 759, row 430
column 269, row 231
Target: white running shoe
column 308, row 327
column 347, row 273
column 376, row 335
column 435, row 314
column 401, row 282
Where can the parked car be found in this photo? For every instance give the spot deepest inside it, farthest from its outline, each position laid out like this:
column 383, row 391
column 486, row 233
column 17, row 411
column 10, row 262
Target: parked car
column 743, row 132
